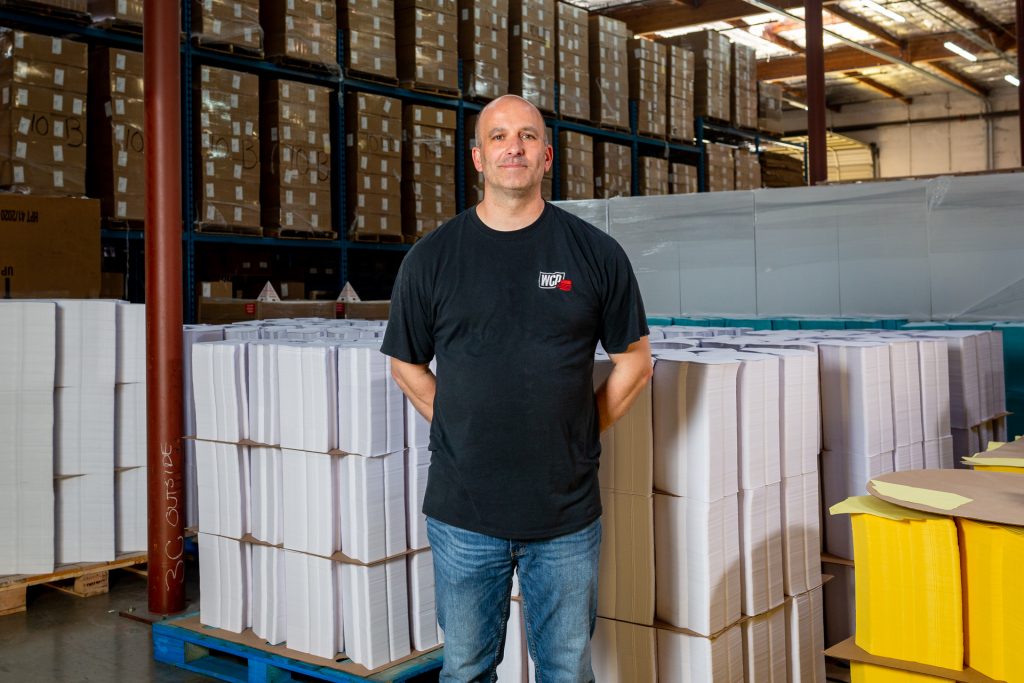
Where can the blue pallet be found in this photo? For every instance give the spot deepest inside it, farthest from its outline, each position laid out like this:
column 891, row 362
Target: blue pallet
column 225, row 660
column 658, row 320
column 785, row 324
column 822, row 324
column 753, row 323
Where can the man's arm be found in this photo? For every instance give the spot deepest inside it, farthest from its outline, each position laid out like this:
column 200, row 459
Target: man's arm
column 418, row 383
column 630, row 373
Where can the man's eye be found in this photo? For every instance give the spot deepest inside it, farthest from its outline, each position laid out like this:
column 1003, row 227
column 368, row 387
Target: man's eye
column 497, row 137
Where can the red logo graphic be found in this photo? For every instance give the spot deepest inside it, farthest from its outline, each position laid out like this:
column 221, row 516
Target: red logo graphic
column 565, row 285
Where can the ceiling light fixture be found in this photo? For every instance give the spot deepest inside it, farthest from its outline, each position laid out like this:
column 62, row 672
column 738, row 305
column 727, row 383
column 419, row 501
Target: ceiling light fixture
column 953, row 47
column 1012, row 80
column 883, row 10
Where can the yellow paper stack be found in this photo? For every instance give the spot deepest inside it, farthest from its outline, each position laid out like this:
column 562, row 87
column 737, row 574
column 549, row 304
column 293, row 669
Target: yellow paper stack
column 992, row 556
column 1009, row 459
column 870, row 673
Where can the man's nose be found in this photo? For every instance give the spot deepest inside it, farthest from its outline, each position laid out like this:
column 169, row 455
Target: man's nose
column 516, row 146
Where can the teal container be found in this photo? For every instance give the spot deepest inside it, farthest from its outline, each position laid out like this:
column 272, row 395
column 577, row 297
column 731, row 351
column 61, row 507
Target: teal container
column 785, row 324
column 982, row 325
column 923, row 326
column 658, row 320
column 753, row 323
column 691, row 322
column 894, row 323
column 823, row 324
column 1013, row 360
column 860, row 324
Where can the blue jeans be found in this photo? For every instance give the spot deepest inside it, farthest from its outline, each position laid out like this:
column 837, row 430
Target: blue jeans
column 473, row 584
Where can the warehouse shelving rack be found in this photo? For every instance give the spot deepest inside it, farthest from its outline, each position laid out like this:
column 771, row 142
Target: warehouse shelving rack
column 706, row 130
column 194, row 56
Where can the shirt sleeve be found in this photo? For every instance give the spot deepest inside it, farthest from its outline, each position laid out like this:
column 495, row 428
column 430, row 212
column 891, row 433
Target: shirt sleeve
column 623, row 320
column 409, row 335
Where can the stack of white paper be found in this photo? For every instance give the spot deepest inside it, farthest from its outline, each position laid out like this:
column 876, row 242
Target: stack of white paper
column 695, row 426
column 84, row 430
column 935, row 403
column 308, row 386
column 313, row 599
column 376, row 612
column 268, row 594
column 799, row 409
column 219, row 385
column 130, row 425
column 263, row 398
column 370, row 404
column 627, row 448
column 225, row 588
column 764, row 648
column 805, row 638
column 28, row 343
column 266, row 486
column 801, row 537
column 516, row 666
column 425, row 632
column 844, row 475
column 311, row 503
column 622, row 652
column 242, row 332
column 697, row 562
column 130, row 512
column 908, row 420
column 686, row 658
column 677, row 344
column 761, row 549
column 371, row 493
column 965, row 392
column 995, row 338
column 417, row 429
column 224, row 491
column 191, row 335
column 417, row 465
column 131, row 343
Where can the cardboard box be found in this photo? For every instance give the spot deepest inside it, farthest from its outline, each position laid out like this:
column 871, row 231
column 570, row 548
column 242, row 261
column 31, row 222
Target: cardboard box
column 653, row 176
column 367, row 310
column 769, row 107
column 682, row 179
column 744, row 86
column 609, row 79
column 532, row 51
column 216, row 290
column 612, row 170
column 712, row 73
column 228, row 22
column 680, row 93
column 576, row 164
column 49, row 247
column 427, row 42
column 116, row 11
column 573, row 61
column 304, row 31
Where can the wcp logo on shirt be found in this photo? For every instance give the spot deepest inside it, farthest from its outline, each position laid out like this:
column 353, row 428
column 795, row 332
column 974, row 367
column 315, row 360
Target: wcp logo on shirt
column 554, row 281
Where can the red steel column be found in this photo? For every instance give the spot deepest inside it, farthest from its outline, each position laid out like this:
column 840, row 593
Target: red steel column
column 1020, row 75
column 817, row 170
column 163, row 305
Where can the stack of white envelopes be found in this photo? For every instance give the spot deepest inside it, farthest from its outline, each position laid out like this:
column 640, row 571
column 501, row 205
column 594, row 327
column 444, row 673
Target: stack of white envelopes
column 28, row 343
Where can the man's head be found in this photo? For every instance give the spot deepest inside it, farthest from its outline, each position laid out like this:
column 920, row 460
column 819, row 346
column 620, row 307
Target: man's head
column 511, row 148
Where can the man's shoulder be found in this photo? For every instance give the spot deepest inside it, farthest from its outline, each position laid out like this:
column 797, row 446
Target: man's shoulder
column 585, row 231
column 439, row 239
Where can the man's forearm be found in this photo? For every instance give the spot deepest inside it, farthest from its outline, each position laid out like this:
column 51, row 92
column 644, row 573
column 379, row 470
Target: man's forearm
column 419, row 384
column 616, row 396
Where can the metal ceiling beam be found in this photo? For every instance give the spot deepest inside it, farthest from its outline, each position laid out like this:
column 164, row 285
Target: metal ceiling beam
column 849, row 58
column 769, row 36
column 959, row 77
column 864, row 48
column 651, row 16
column 869, row 27
column 869, row 82
column 971, row 14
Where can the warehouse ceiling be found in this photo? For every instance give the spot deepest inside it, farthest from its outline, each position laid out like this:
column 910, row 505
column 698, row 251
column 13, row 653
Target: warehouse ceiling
column 908, row 42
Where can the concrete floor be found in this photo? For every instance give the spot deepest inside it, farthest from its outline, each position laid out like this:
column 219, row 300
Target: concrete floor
column 66, row 639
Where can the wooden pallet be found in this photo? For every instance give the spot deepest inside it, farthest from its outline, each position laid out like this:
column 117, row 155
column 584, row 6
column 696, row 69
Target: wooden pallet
column 372, row 77
column 124, row 224
column 229, row 229
column 435, row 90
column 41, row 8
column 228, row 48
column 83, row 580
column 243, row 658
column 370, row 237
column 303, row 64
column 119, row 26
column 289, row 234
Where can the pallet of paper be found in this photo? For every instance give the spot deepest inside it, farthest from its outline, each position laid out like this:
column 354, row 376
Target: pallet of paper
column 224, row 488
column 28, row 343
column 225, row 590
column 266, row 486
column 801, row 537
column 689, row 658
column 761, row 534
column 622, row 652
column 425, row 632
column 269, row 601
column 626, row 588
column 805, row 637
column 764, row 647
column 417, row 465
column 191, row 335
column 130, row 495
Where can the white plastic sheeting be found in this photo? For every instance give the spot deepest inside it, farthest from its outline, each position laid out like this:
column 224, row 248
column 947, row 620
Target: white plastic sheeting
column 943, row 248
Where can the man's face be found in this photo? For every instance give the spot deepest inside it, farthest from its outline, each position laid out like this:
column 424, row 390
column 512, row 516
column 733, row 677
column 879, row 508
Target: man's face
column 510, row 151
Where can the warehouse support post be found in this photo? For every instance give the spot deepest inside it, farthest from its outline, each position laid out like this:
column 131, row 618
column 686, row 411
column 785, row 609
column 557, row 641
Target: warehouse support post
column 166, row 574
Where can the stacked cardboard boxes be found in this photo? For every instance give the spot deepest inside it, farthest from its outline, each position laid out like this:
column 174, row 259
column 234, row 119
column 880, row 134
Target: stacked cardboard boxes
column 573, row 62
column 648, row 83
column 116, row 11
column 744, row 86
column 653, row 176
column 427, row 36
column 483, row 47
column 117, row 166
column 70, row 5
column 769, row 107
column 296, row 158
column 302, row 30
column 680, row 93
column 609, row 75
column 428, row 166
column 43, row 123
column 781, row 170
column 576, row 165
column 612, row 170
column 683, row 179
column 374, row 165
column 229, row 23
column 369, row 30
column 229, row 149
column 712, row 73
column 547, row 184
column 748, row 170
column 474, row 179
column 532, row 51
column 721, row 168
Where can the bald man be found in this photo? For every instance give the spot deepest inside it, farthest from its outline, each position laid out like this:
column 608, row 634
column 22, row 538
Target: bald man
column 511, row 297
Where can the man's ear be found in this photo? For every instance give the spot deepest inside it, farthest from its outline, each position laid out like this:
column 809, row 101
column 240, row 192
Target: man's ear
column 476, row 160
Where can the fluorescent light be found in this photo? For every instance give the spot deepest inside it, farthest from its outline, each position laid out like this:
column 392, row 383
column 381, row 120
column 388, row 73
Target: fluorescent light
column 953, row 47
column 871, row 5
column 1012, row 80
column 796, row 103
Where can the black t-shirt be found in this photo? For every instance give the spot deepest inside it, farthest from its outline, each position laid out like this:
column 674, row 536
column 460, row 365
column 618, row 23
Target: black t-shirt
column 513, row 319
